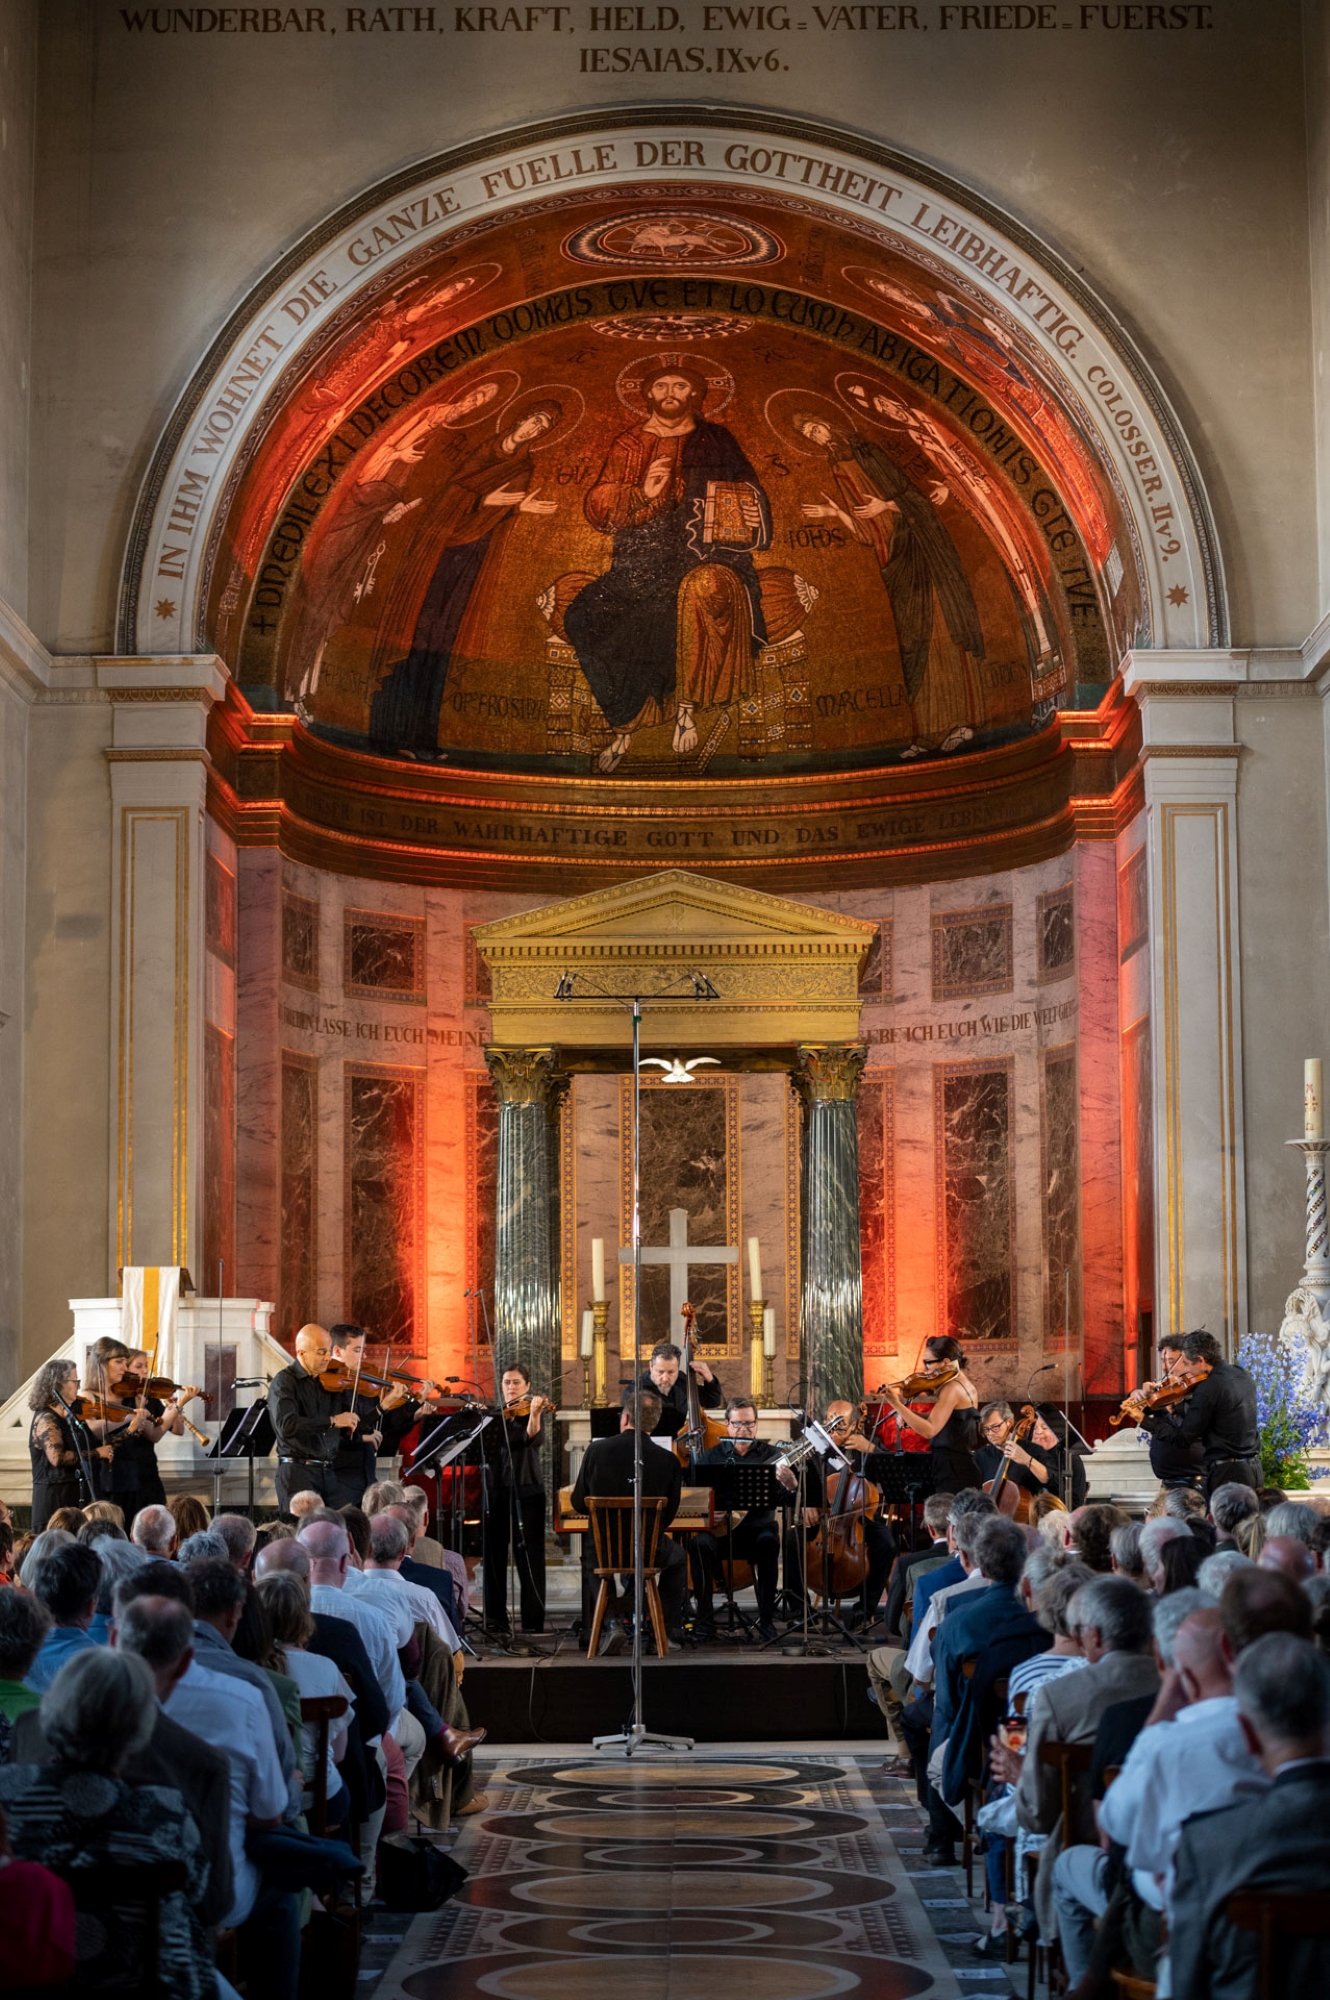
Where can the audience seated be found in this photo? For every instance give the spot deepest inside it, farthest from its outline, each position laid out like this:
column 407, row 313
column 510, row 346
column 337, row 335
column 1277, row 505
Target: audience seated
column 118, row 1560
column 1216, row 1570
column 190, row 1515
column 1091, row 1535
column 1230, row 1505
column 284, row 1597
column 219, row 1600
column 204, row 1546
column 1279, row 1841
column 1155, row 1534
column 1180, row 1563
column 24, row 1623
column 438, row 1581
column 1288, row 1554
column 66, row 1582
column 994, row 1630
column 239, row 1535
column 38, row 1547
column 1124, row 1549
column 67, row 1521
column 76, row 1811
column 37, row 1920
column 154, row 1531
column 383, row 1582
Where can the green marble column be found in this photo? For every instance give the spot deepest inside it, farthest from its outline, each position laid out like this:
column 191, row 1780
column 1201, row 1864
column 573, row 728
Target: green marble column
column 832, row 1336
column 526, row 1292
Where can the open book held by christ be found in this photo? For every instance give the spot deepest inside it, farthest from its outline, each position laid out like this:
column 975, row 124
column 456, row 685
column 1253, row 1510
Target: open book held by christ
column 723, row 523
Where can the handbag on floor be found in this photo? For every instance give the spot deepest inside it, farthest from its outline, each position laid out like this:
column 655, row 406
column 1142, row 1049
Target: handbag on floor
column 414, row 1874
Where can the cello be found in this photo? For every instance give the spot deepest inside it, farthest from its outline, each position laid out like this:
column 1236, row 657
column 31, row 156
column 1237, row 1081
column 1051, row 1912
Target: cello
column 836, row 1558
column 1008, row 1498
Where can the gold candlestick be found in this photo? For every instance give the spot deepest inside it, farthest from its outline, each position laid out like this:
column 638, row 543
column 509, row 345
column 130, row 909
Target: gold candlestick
column 771, row 1383
column 600, row 1337
column 757, row 1359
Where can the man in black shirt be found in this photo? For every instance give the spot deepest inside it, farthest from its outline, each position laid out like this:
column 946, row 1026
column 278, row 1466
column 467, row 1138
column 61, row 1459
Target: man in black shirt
column 1219, row 1415
column 1172, row 1462
column 663, row 1377
column 755, row 1538
column 312, row 1423
column 606, row 1472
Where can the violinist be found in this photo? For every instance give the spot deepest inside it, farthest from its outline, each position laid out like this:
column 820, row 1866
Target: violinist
column 753, row 1539
column 1219, row 1415
column 57, row 1477
column 953, row 1428
column 311, row 1423
column 862, row 1499
column 516, row 1507
column 125, row 1425
column 152, row 1421
column 386, row 1414
column 1172, row 1462
column 662, row 1375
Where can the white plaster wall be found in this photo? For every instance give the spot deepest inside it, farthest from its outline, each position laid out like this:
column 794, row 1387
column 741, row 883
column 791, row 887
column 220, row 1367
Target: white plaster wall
column 18, row 127
column 1170, row 168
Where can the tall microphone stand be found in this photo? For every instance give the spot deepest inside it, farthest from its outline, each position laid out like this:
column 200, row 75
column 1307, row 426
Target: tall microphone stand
column 635, row 1735
column 78, row 1430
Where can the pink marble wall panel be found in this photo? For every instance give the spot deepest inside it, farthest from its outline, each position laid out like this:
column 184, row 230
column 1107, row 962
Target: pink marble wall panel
column 258, row 1072
column 1101, row 1118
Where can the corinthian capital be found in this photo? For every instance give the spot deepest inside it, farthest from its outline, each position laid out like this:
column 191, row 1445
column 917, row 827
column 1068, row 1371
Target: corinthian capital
column 830, row 1071
column 524, row 1076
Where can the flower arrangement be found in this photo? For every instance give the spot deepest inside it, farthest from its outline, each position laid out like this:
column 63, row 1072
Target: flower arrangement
column 1290, row 1426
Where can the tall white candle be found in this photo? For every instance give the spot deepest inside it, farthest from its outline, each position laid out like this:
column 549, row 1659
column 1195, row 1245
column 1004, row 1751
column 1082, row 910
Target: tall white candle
column 598, row 1268
column 588, row 1333
column 769, row 1333
column 1313, row 1117
column 755, row 1267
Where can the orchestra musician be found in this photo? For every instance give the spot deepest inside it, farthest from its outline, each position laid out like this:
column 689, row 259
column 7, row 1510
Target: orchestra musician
column 57, row 1476
column 1031, row 1465
column 386, row 1414
column 663, row 1378
column 842, row 1419
column 311, row 1423
column 1172, row 1462
column 1219, row 1415
column 953, row 1428
column 153, row 1420
column 516, row 1507
column 753, row 1537
column 606, row 1472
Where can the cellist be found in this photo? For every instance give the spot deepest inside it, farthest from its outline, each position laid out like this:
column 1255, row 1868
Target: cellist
column 1028, row 1463
column 861, row 1499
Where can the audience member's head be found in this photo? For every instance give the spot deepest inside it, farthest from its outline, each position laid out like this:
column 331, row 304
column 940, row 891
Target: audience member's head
column 965, row 1532
column 1044, row 1504
column 253, row 1639
column 1184, row 1503
column 99, row 1710
column 1040, row 1563
column 42, row 1546
column 302, row 1505
column 1124, row 1547
column 1154, row 1535
column 357, row 1527
column 1250, row 1535
column 237, row 1536
column 1110, row 1615
column 1282, row 1684
column 1216, row 1570
column 1200, row 1658
column 1270, row 1497
column 1000, row 1550
column 93, row 1532
column 154, row 1531
column 1288, row 1555
column 6, row 1548
column 66, row 1521
column 970, row 1505
column 285, row 1600
column 1167, row 1617
column 1256, row 1601
column 269, row 1532
column 119, row 1560
column 1091, row 1535
column 1318, row 1592
column 66, row 1582
column 1180, row 1563
column 105, row 1510
column 1295, row 1518
column 219, row 1593
column 285, row 1557
column 1053, row 1597
column 329, row 1548
column 190, row 1515
column 389, row 1541
column 206, row 1546
column 155, row 1579
column 383, row 1494
column 937, row 1512
column 410, row 1520
column 24, row 1623
column 1230, row 1504
column 160, row 1632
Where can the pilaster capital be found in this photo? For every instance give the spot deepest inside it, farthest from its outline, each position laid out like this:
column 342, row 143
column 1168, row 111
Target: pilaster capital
column 829, row 1072
column 525, row 1076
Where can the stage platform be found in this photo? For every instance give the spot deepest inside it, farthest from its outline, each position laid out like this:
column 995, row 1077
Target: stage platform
column 713, row 1694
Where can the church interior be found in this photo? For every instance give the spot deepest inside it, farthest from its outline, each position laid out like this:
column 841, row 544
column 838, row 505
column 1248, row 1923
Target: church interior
column 665, row 802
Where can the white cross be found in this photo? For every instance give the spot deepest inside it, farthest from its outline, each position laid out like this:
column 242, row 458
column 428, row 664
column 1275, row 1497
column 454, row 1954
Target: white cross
column 679, row 1256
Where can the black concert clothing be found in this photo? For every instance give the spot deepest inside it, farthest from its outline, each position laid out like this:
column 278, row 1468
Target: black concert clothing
column 516, row 1519
column 61, row 1484
column 755, row 1539
column 879, row 1542
column 989, row 1459
column 1220, row 1416
column 606, row 1472
column 308, row 1444
column 674, row 1415
column 136, row 1464
column 952, row 1452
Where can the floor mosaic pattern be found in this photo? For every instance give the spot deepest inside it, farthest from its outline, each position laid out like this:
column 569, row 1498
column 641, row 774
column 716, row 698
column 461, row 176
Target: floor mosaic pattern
column 710, row 1877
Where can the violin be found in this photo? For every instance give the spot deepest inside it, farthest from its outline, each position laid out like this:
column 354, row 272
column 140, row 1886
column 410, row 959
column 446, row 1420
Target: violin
column 521, row 1407
column 926, row 1381
column 162, row 1386
column 338, row 1375
column 1160, row 1395
column 90, row 1409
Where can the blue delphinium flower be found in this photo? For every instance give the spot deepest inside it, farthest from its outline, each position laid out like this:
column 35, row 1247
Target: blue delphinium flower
column 1289, row 1425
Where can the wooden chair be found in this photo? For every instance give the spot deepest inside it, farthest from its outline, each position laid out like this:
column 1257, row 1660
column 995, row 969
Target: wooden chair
column 1070, row 1760
column 1131, row 1985
column 1276, row 1914
column 612, row 1539
column 318, row 1713
column 134, row 1886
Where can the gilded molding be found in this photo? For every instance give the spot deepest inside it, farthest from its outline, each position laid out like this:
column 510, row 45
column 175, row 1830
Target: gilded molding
column 525, row 1076
column 829, row 1072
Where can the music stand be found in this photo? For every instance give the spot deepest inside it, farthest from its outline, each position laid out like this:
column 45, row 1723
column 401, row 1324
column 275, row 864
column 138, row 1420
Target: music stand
column 443, row 1446
column 738, row 1487
column 248, row 1434
column 906, row 1479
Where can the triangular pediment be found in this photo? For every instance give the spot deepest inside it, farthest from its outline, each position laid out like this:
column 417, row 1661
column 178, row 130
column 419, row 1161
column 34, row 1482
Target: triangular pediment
column 674, row 903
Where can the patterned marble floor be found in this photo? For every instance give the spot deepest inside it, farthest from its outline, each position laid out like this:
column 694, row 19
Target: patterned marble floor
column 717, row 1876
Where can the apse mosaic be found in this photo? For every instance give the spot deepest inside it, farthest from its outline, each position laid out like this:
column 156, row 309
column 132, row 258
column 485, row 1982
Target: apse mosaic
column 661, row 488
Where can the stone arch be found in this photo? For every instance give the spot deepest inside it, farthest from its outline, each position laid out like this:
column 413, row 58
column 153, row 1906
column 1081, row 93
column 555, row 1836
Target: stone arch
column 1046, row 312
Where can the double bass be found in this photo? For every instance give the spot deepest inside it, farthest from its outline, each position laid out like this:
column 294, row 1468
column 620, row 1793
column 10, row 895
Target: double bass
column 836, row 1556
column 1007, row 1497
column 702, row 1428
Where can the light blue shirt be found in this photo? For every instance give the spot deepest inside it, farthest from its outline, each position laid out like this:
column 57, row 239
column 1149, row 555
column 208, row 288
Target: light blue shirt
column 59, row 1645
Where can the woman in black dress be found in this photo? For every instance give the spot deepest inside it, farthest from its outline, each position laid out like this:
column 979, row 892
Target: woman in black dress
column 57, row 1480
column 953, row 1429
column 517, row 1508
